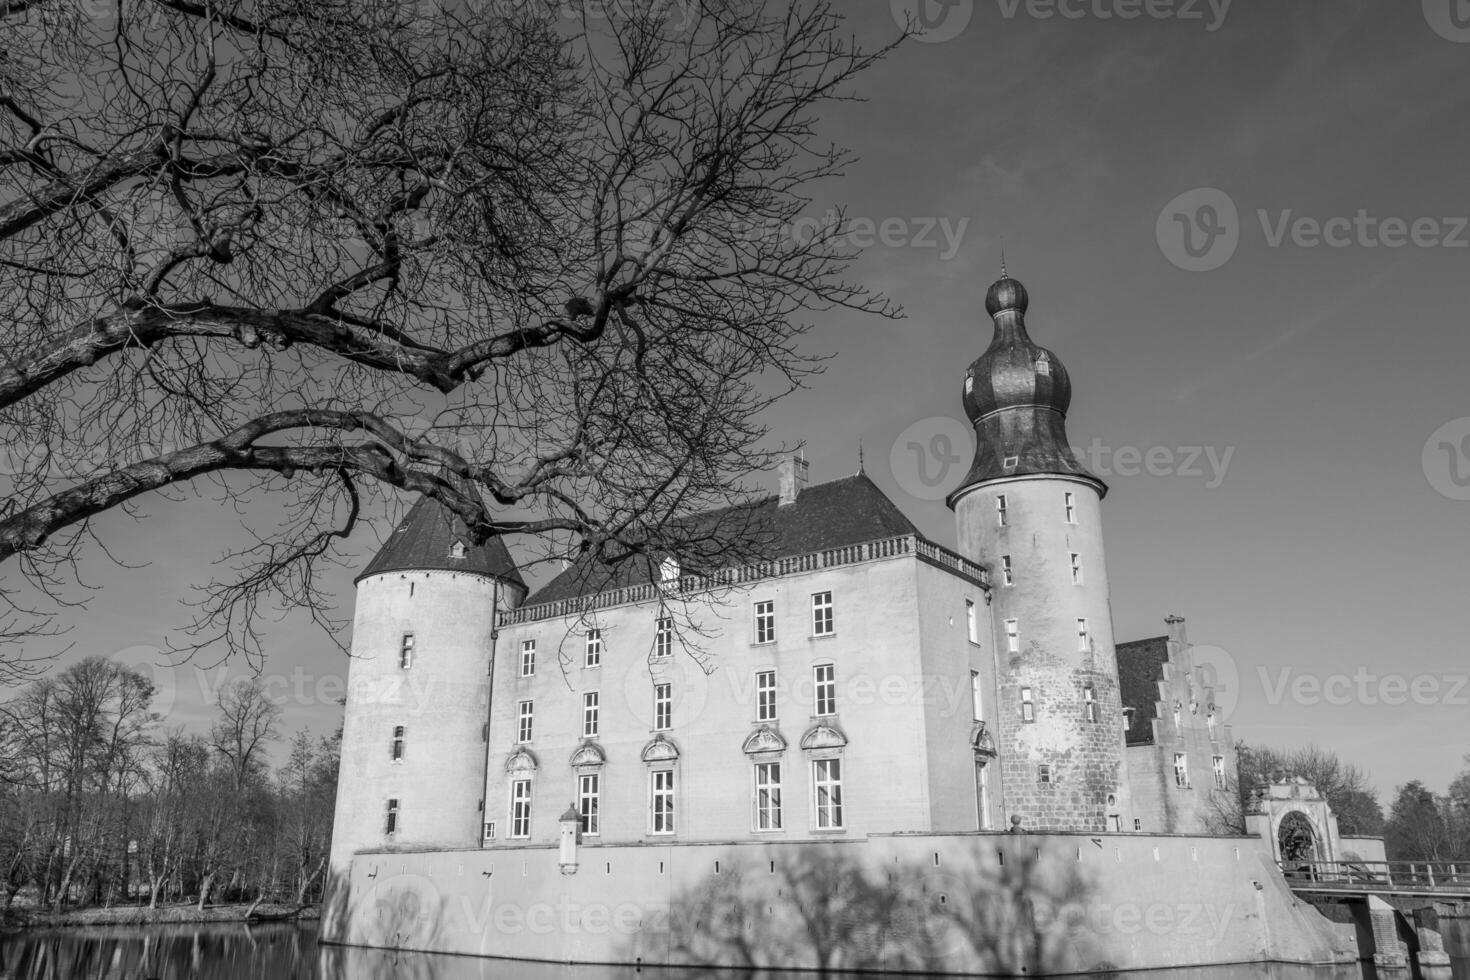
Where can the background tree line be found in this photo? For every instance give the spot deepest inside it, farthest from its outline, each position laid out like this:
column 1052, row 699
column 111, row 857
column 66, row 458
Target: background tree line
column 101, row 804
column 1421, row 825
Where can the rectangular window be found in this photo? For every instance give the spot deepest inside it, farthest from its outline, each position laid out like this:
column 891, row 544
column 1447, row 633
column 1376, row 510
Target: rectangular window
column 1028, row 706
column 1210, row 723
column 765, row 622
column 827, row 782
column 392, row 824
column 1013, row 635
column 1219, row 766
column 1076, row 568
column 765, row 695
column 663, row 638
column 972, row 625
column 592, row 655
column 1137, row 824
column 1089, row 703
column 825, row 684
column 661, row 784
column 1006, row 576
column 405, row 652
column 768, row 796
column 528, row 658
column 589, row 799
column 1181, row 770
column 663, row 707
column 396, row 753
column 977, row 702
column 589, row 714
column 1071, row 508
column 1043, row 773
column 1000, row 510
column 525, row 713
column 1084, row 639
column 822, row 614
column 1128, row 719
column 489, row 830
column 520, row 808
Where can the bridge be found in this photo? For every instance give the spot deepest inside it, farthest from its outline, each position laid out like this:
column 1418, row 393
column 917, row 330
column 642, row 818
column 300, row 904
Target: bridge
column 1445, row 880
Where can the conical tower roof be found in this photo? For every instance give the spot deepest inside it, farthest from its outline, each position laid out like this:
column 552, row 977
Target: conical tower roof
column 433, row 537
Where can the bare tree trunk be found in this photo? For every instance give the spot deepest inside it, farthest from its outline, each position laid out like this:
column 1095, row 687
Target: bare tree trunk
column 204, row 889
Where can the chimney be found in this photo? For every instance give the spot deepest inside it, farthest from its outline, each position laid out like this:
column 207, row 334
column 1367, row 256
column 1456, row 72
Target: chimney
column 792, row 474
column 1176, row 631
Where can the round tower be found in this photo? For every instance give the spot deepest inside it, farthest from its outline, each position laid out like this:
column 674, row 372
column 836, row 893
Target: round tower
column 418, row 687
column 1030, row 511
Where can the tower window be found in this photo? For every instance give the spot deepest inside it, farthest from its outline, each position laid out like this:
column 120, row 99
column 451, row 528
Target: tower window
column 825, row 678
column 520, row 808
column 1000, row 510
column 663, row 707
column 395, row 752
column 592, row 654
column 822, row 624
column 1006, row 577
column 1089, row 704
column 405, row 652
column 1043, row 774
column 765, row 695
column 1076, row 568
column 525, row 715
column 663, row 638
column 1071, row 505
column 1210, row 723
column 1218, row 763
column 1181, row 770
column 391, row 826
column 768, row 796
column 765, row 622
column 661, row 791
column 528, row 658
column 1013, row 635
column 589, row 800
column 1128, row 719
column 1028, row 706
column 971, row 626
column 590, row 718
column 827, row 783
column 1084, row 639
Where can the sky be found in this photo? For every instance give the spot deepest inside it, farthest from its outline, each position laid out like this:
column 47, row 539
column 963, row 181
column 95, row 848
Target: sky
column 1244, row 231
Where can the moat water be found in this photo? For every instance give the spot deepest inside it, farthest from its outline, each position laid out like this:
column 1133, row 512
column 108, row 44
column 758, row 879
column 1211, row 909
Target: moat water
column 283, row 951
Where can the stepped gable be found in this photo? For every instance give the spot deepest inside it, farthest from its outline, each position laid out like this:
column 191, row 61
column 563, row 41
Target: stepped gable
column 1140, row 668
column 825, row 516
column 425, row 540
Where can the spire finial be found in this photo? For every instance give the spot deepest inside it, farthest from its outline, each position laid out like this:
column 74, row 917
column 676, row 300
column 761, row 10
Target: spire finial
column 860, row 457
column 1003, row 256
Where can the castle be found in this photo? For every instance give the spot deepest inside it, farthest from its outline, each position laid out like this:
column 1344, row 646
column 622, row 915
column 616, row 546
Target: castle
column 861, row 684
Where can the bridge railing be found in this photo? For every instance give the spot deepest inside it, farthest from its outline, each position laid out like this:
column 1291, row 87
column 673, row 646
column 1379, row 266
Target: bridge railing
column 1379, row 875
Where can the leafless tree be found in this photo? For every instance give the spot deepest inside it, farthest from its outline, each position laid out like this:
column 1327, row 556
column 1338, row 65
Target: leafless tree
column 324, row 250
column 248, row 722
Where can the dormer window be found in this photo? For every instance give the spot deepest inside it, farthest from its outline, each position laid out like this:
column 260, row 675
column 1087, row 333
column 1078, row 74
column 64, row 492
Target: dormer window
column 1010, row 462
column 456, row 550
column 668, row 569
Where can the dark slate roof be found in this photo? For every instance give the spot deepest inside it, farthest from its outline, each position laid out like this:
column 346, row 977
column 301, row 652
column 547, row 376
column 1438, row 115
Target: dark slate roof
column 1140, row 668
column 423, row 539
column 828, row 515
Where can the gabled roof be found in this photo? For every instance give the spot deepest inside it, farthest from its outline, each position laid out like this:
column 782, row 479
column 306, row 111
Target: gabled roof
column 829, row 515
column 425, row 540
column 1140, row 668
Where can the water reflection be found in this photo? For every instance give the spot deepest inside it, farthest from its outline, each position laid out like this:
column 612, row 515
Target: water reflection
column 281, row 951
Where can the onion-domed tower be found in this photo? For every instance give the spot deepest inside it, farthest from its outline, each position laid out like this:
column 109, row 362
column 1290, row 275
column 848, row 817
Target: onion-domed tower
column 1031, row 512
column 418, row 687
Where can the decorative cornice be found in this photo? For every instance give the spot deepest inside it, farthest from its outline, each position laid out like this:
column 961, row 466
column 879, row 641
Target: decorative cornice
column 588, row 754
column 823, row 736
column 764, row 739
column 521, row 761
column 660, row 750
